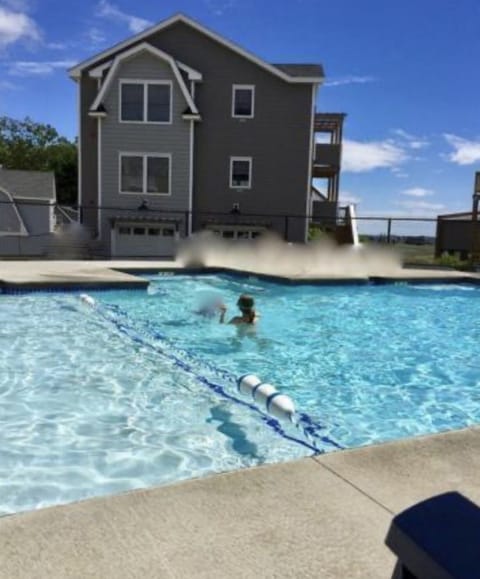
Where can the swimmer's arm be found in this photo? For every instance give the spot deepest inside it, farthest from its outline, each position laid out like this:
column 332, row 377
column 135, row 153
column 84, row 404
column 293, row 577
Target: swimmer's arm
column 223, row 311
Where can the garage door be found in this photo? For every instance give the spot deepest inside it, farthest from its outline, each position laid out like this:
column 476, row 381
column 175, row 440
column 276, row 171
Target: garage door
column 143, row 240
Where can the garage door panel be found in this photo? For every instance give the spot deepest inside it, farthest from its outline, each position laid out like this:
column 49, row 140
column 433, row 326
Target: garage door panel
column 146, row 240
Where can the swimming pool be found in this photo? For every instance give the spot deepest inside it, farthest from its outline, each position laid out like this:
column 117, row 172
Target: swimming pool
column 139, row 391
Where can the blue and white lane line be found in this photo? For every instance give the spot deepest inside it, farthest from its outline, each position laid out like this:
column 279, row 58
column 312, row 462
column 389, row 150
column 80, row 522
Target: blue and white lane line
column 183, row 359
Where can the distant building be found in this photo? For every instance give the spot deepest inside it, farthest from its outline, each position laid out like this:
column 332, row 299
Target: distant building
column 27, row 206
column 454, row 234
column 182, row 130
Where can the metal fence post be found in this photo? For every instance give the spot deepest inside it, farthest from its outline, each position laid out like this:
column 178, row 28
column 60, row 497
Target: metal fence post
column 389, row 230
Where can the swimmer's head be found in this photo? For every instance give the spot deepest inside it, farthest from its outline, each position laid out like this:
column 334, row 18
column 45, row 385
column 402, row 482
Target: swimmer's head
column 246, row 303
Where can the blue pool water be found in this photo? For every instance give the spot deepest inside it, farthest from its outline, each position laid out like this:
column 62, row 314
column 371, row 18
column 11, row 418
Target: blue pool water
column 139, row 391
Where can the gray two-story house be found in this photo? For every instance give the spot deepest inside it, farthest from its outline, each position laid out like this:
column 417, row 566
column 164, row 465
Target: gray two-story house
column 182, row 130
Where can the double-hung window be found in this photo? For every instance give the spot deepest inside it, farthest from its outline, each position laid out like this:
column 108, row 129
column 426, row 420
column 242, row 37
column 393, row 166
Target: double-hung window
column 243, row 101
column 145, row 101
column 240, row 172
column 146, row 174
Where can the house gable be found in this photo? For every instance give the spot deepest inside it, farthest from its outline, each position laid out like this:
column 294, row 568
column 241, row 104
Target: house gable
column 281, row 73
column 157, row 53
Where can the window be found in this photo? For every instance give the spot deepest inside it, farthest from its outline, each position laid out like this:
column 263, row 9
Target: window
column 241, row 172
column 139, row 231
column 124, row 230
column 243, row 101
column 153, row 231
column 168, row 232
column 146, row 102
column 158, row 174
column 132, row 174
column 147, row 174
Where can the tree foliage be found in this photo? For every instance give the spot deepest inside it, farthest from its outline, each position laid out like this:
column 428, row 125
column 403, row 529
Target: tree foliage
column 27, row 145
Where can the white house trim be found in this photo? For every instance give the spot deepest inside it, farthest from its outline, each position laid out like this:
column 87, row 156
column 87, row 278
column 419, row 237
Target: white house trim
column 23, row 229
column 79, row 151
column 145, row 83
column 192, row 74
column 144, row 173
column 249, row 185
column 310, row 161
column 190, row 179
column 251, row 88
column 76, row 71
column 37, row 199
column 99, row 177
column 132, row 52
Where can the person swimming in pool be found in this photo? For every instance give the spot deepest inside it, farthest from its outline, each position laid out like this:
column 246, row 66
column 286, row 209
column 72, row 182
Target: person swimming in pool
column 246, row 305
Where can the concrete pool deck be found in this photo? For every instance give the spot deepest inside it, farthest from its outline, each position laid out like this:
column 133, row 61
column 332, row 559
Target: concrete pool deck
column 121, row 273
column 320, row 517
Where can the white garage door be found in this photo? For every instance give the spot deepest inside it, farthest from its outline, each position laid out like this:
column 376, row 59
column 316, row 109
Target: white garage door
column 143, row 240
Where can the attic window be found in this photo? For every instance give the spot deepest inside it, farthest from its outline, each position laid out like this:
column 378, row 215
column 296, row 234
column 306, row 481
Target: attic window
column 145, row 102
column 243, row 101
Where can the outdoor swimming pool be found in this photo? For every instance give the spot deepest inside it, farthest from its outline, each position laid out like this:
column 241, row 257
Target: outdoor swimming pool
column 139, row 391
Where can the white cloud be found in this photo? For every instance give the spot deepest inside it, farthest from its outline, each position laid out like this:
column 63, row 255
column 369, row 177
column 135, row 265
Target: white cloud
column 38, row 68
column 347, row 198
column 107, row 10
column 412, row 141
column 218, row 7
column 18, row 5
column 352, row 79
column 423, row 206
column 465, row 152
column 57, row 45
column 7, row 85
column 95, row 37
column 362, row 156
column 16, row 26
column 417, row 192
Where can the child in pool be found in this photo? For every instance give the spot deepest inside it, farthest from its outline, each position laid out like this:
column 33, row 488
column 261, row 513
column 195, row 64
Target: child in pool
column 246, row 305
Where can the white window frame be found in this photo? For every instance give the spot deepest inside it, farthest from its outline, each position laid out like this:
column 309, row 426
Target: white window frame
column 250, row 87
column 145, row 84
column 144, row 173
column 250, row 166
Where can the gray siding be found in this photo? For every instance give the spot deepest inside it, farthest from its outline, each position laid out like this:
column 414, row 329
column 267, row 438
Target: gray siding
column 278, row 138
column 89, row 154
column 116, row 138
column 36, row 216
column 9, row 220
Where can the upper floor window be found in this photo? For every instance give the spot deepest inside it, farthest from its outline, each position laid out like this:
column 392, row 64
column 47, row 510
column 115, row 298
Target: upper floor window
column 243, row 101
column 240, row 172
column 146, row 101
column 145, row 173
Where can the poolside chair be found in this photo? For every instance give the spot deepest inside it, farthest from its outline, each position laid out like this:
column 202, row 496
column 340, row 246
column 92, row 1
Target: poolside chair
column 437, row 539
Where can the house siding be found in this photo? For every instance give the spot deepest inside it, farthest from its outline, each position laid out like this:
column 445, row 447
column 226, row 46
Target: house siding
column 278, row 137
column 89, row 155
column 116, row 137
column 36, row 216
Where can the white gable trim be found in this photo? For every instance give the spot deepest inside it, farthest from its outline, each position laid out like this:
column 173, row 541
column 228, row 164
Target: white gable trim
column 144, row 46
column 76, row 71
column 191, row 72
column 23, row 229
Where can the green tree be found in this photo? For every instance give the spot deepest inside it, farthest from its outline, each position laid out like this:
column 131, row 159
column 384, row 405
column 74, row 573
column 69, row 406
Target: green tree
column 27, row 145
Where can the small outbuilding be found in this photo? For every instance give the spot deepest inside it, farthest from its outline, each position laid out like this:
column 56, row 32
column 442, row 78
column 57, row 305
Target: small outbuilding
column 27, row 212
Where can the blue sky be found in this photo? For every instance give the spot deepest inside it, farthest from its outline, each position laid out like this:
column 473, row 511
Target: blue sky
column 404, row 72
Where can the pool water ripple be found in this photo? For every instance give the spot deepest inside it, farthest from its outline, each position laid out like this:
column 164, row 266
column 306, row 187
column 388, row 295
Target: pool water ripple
column 87, row 409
